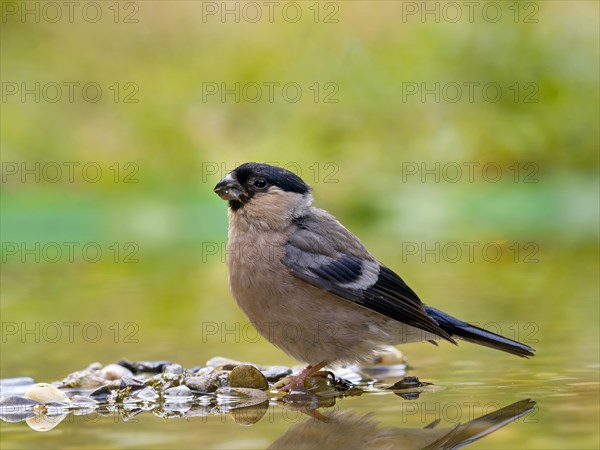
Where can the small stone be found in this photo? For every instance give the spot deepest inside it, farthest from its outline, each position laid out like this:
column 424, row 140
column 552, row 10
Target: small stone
column 150, row 366
column 319, row 385
column 409, row 388
column 222, row 377
column 15, row 386
column 199, row 411
column 249, row 415
column 134, row 384
column 204, row 371
column 218, row 362
column 229, row 398
column 282, row 382
column 147, row 394
column 250, row 377
column 176, row 369
column 206, row 382
column 169, row 377
column 44, row 393
column 342, row 385
column 175, row 409
column 408, row 383
column 16, row 409
column 129, row 414
column 128, row 365
column 83, row 401
column 101, row 394
column 83, row 379
column 19, row 381
column 352, row 375
column 178, row 393
column 83, row 405
column 45, row 422
column 410, row 395
column 55, row 408
column 85, row 410
column 275, row 373
column 114, row 372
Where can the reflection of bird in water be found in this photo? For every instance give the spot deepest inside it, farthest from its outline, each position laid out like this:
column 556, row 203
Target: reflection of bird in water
column 347, row 430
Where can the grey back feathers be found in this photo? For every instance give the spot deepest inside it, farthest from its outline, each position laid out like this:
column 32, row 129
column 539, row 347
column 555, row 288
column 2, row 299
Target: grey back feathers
column 324, row 254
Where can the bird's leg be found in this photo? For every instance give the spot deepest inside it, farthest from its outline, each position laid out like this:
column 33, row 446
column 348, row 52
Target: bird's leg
column 297, row 381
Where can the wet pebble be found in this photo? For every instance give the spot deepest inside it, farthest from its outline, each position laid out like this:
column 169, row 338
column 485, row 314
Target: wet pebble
column 84, row 379
column 147, row 394
column 275, row 373
column 164, row 381
column 128, row 365
column 83, row 404
column 132, row 383
column 204, row 371
column 352, row 374
column 19, row 381
column 249, row 415
column 178, row 393
column 246, row 376
column 150, row 366
column 83, row 400
column 409, row 388
column 130, row 413
column 55, row 407
column 408, row 383
column 15, row 386
column 320, row 385
column 176, row 409
column 45, row 422
column 342, row 385
column 114, row 372
column 101, row 394
column 223, row 378
column 200, row 411
column 167, row 377
column 202, row 383
column 409, row 395
column 176, row 369
column 16, row 409
column 218, row 362
column 229, row 398
column 44, row 393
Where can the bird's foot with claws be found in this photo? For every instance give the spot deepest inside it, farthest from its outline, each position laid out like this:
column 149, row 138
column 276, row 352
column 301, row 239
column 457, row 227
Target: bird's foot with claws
column 296, row 382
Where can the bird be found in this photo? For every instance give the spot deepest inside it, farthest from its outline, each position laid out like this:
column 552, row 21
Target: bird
column 310, row 286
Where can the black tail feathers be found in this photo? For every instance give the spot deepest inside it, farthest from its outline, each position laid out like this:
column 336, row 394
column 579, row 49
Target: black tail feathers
column 477, row 335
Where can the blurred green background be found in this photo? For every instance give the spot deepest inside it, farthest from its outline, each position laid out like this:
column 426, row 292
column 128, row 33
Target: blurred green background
column 359, row 134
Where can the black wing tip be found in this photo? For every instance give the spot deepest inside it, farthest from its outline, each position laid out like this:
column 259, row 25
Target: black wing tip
column 505, row 345
column 476, row 335
column 524, row 351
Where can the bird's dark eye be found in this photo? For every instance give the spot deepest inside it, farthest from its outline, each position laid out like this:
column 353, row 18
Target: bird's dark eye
column 260, row 183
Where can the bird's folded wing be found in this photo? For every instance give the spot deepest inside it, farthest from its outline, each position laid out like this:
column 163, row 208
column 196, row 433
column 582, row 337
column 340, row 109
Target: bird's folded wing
column 331, row 258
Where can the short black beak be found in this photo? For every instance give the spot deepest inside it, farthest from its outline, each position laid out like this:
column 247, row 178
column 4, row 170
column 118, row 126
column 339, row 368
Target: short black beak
column 229, row 189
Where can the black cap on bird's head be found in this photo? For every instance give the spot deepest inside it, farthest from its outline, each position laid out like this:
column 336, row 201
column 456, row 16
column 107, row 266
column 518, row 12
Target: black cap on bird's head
column 250, row 179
